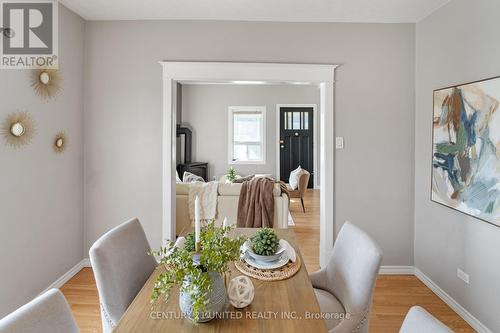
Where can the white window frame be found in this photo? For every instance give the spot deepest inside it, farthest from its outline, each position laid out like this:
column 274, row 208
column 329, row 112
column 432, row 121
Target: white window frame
column 230, row 142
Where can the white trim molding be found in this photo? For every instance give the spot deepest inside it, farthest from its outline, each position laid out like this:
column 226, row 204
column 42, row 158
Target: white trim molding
column 452, row 303
column 68, row 275
column 397, row 270
column 322, row 76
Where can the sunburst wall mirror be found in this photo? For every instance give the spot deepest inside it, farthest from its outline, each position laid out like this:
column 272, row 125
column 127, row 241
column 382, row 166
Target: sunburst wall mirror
column 18, row 129
column 60, row 142
column 46, row 82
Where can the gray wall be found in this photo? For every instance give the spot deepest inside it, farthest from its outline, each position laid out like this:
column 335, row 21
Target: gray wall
column 457, row 44
column 205, row 109
column 374, row 112
column 41, row 195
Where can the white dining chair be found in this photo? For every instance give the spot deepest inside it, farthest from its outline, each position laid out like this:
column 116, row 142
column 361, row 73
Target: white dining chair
column 121, row 266
column 418, row 320
column 48, row 312
column 344, row 288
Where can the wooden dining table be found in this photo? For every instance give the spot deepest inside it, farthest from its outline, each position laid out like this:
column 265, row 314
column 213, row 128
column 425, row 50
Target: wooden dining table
column 278, row 306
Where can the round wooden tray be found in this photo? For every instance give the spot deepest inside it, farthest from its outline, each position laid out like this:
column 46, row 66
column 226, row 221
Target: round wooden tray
column 277, row 274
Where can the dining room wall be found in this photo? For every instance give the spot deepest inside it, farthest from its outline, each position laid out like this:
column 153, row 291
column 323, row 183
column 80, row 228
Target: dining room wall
column 41, row 192
column 374, row 112
column 456, row 44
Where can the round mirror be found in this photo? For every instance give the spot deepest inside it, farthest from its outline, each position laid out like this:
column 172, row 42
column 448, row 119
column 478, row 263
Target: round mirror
column 44, row 78
column 17, row 129
column 59, row 142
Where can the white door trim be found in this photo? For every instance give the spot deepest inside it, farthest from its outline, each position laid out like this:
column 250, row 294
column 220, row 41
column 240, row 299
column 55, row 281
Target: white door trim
column 315, row 138
column 322, row 76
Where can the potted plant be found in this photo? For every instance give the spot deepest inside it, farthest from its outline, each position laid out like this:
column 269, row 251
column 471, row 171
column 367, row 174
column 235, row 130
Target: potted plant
column 198, row 274
column 231, row 175
column 265, row 245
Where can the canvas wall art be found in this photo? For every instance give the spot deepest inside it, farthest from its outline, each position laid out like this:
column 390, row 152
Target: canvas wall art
column 466, row 149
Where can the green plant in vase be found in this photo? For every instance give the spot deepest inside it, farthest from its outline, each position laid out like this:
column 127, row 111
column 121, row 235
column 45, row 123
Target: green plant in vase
column 231, row 175
column 199, row 275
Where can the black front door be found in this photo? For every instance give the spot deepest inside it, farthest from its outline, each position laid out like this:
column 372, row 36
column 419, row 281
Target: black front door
column 296, row 141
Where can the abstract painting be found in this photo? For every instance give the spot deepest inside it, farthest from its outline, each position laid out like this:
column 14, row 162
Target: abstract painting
column 466, row 149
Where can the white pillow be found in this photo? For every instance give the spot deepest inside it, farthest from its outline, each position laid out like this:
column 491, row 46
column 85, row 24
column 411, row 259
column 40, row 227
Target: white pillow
column 189, row 177
column 294, row 177
column 177, row 178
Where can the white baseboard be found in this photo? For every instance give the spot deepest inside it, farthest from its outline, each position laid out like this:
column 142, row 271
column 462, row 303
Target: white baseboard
column 460, row 310
column 69, row 274
column 86, row 262
column 396, row 270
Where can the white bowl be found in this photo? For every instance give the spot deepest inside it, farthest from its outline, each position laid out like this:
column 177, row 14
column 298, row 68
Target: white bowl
column 273, row 257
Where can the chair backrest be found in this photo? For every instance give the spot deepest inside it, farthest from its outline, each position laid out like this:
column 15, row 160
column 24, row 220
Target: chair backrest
column 353, row 268
column 48, row 312
column 418, row 320
column 303, row 182
column 121, row 267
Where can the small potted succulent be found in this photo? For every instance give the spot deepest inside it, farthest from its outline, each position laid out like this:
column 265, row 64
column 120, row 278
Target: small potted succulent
column 199, row 274
column 265, row 245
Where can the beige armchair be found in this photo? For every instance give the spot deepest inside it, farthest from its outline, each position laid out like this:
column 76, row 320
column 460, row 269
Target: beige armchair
column 121, row 266
column 301, row 188
column 48, row 312
column 418, row 320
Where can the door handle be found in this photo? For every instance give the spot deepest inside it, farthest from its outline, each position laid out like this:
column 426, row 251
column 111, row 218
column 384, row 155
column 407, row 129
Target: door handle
column 281, row 141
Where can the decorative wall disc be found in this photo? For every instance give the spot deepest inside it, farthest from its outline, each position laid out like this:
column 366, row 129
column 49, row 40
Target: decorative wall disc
column 18, row 129
column 60, row 142
column 46, row 82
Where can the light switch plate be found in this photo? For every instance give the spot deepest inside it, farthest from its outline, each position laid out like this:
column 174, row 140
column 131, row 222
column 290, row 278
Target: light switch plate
column 339, row 142
column 462, row 275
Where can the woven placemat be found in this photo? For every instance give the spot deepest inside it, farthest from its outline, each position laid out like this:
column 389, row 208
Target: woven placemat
column 277, row 274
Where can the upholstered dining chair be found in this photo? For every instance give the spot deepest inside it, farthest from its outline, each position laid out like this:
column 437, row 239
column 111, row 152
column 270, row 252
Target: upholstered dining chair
column 418, row 320
column 121, row 267
column 48, row 312
column 301, row 188
column 344, row 288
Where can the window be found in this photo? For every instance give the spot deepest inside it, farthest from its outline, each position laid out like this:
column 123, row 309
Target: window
column 247, row 127
column 297, row 120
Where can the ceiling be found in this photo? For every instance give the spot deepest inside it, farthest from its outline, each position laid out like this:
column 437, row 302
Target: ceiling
column 376, row 11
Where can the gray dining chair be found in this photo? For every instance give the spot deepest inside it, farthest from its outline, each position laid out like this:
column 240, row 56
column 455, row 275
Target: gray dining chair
column 418, row 320
column 121, row 267
column 344, row 288
column 48, row 312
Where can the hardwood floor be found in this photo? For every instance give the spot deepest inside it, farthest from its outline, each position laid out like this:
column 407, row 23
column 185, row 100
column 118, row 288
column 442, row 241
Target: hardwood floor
column 394, row 294
column 81, row 293
column 307, row 227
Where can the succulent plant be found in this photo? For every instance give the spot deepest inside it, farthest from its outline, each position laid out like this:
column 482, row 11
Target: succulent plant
column 265, row 242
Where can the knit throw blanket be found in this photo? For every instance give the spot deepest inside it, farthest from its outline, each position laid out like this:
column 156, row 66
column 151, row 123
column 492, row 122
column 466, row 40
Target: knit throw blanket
column 256, row 204
column 207, row 194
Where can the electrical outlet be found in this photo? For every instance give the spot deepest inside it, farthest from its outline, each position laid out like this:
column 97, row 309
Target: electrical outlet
column 462, row 275
column 339, row 142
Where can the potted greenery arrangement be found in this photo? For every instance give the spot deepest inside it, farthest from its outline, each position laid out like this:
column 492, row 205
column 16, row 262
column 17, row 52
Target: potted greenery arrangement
column 265, row 245
column 199, row 274
column 231, row 175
